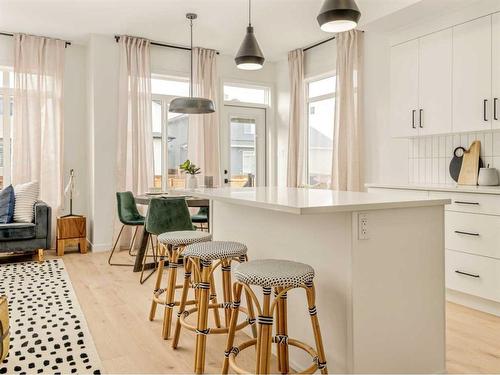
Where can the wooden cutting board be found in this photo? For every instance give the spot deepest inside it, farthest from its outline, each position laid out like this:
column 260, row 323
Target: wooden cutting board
column 470, row 165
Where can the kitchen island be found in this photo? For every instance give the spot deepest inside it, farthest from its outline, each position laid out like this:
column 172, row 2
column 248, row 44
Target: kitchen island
column 380, row 286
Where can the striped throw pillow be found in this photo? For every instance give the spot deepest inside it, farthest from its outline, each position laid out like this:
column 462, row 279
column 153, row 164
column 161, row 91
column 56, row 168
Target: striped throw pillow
column 26, row 196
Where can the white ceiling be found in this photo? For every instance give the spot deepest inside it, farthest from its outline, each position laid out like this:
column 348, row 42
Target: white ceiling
column 280, row 25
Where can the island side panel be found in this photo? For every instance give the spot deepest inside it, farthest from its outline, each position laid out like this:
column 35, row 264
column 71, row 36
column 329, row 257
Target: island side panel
column 324, row 242
column 399, row 292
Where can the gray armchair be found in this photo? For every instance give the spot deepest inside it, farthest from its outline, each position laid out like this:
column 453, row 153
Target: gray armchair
column 28, row 237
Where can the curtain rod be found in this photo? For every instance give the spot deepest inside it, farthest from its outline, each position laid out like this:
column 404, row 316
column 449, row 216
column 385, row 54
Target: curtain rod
column 9, row 34
column 320, row 43
column 117, row 38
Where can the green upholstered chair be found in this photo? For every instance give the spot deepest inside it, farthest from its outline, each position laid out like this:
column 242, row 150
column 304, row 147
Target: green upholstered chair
column 129, row 215
column 165, row 215
column 201, row 218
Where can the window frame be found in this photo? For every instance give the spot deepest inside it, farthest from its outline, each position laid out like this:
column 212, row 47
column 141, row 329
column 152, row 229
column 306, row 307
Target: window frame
column 165, row 103
column 240, row 84
column 308, row 101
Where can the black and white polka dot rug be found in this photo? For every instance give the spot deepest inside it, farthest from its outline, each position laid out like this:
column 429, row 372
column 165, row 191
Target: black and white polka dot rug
column 49, row 333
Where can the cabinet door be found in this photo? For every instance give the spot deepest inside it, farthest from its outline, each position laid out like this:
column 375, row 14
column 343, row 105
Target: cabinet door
column 435, row 75
column 495, row 35
column 472, row 75
column 404, row 89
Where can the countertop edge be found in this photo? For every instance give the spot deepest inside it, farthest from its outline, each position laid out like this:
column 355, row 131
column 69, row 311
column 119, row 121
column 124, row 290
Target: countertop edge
column 494, row 190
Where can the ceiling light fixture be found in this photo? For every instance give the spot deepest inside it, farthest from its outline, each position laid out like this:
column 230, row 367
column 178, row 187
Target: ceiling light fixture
column 191, row 105
column 249, row 56
column 336, row 16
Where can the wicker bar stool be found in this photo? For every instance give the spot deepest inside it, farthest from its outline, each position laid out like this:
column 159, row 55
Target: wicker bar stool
column 282, row 276
column 198, row 259
column 171, row 245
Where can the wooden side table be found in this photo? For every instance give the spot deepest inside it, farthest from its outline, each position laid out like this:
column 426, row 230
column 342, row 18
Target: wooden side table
column 70, row 230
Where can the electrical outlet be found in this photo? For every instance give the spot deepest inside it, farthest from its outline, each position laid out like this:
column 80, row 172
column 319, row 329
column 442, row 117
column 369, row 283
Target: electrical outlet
column 363, row 227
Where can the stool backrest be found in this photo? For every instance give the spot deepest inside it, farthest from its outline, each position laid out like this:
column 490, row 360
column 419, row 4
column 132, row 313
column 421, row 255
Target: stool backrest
column 168, row 215
column 127, row 208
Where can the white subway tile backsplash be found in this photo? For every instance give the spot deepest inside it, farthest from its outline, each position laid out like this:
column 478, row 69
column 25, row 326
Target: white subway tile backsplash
column 429, row 157
column 496, row 144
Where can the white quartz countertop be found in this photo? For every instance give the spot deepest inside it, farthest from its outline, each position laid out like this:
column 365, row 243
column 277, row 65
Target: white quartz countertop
column 439, row 187
column 307, row 201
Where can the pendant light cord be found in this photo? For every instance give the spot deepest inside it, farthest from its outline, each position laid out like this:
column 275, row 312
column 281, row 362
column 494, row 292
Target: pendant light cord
column 191, row 76
column 249, row 12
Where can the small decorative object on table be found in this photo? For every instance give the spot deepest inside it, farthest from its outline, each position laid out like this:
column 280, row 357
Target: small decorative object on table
column 191, row 170
column 71, row 229
column 70, row 190
column 4, row 328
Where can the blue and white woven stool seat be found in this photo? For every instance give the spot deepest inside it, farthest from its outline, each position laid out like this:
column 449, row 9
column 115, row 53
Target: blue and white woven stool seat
column 274, row 273
column 215, row 250
column 183, row 237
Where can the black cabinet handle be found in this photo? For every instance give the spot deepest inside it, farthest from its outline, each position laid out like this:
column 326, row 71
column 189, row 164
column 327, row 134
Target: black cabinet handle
column 495, row 101
column 467, row 274
column 226, row 181
column 485, row 102
column 413, row 119
column 467, row 233
column 470, row 203
column 420, row 118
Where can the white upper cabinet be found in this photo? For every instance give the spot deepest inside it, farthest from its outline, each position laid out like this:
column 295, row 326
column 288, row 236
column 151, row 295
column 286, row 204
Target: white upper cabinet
column 404, row 89
column 435, row 83
column 495, row 35
column 472, row 101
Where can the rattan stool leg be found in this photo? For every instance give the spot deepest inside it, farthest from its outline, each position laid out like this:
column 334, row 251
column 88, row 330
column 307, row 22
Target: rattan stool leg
column 202, row 324
column 182, row 303
column 311, row 301
column 264, row 338
column 232, row 326
column 251, row 314
column 161, row 264
column 226, row 288
column 213, row 298
column 282, row 332
column 170, row 293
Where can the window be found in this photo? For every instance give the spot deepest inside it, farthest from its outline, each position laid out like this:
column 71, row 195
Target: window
column 246, row 94
column 170, row 131
column 243, row 160
column 320, row 127
column 6, row 112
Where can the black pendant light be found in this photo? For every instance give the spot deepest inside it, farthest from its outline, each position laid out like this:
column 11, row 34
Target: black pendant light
column 336, row 16
column 249, row 56
column 191, row 105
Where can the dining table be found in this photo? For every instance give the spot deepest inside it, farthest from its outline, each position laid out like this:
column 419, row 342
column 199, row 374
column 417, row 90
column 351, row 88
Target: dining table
column 144, row 200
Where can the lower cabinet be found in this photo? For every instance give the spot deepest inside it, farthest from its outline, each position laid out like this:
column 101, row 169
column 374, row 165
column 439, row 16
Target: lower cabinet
column 472, row 242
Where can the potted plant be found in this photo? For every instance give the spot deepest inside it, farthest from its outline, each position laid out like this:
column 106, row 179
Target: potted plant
column 191, row 170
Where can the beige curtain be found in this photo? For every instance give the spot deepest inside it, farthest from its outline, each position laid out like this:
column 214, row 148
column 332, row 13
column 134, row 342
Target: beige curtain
column 346, row 165
column 203, row 137
column 296, row 141
column 135, row 139
column 37, row 132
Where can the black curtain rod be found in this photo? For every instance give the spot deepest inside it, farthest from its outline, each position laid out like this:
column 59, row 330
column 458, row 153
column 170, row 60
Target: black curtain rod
column 9, row 34
column 320, row 43
column 117, row 38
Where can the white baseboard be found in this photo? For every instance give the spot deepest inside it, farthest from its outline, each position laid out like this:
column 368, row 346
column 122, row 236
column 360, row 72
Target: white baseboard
column 477, row 303
column 100, row 248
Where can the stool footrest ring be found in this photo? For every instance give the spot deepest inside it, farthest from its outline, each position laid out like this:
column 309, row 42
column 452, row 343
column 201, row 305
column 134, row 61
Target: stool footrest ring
column 215, row 330
column 298, row 344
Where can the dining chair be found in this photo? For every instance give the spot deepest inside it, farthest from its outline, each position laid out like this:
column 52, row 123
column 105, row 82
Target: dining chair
column 129, row 215
column 201, row 217
column 165, row 215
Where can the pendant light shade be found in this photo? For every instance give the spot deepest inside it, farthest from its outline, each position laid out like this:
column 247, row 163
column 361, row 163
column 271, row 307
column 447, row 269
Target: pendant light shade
column 249, row 56
column 336, row 16
column 191, row 105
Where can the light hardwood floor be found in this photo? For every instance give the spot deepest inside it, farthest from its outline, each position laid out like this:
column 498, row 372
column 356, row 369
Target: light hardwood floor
column 116, row 307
